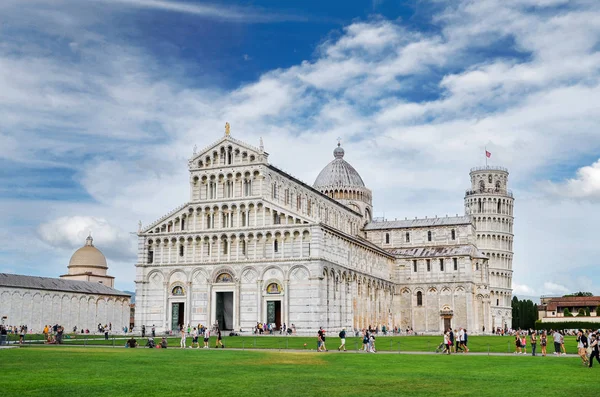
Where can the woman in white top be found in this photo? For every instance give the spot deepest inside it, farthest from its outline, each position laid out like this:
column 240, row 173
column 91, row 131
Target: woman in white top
column 446, row 342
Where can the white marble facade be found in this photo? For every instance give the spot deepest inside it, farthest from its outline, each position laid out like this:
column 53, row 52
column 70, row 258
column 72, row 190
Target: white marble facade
column 254, row 244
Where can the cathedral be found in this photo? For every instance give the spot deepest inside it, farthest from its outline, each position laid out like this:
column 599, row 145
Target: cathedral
column 255, row 244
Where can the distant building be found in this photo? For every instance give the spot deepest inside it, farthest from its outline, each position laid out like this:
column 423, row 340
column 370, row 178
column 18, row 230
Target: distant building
column 83, row 298
column 551, row 309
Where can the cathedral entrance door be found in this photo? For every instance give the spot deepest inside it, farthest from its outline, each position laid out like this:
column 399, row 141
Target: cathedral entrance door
column 224, row 310
column 447, row 323
column 177, row 318
column 274, row 313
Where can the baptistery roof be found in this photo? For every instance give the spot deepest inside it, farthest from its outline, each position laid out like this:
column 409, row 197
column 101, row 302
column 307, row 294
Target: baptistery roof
column 338, row 173
column 87, row 256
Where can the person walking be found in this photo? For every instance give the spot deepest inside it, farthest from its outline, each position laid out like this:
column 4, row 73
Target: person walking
column 524, row 343
column 562, row 344
column 533, row 340
column 595, row 350
column 153, row 331
column 517, row 344
column 365, row 340
column 219, row 340
column 582, row 345
column 195, row 339
column 206, row 337
column 447, row 343
column 143, row 331
column 465, row 341
column 182, row 334
column 105, row 333
column 342, row 336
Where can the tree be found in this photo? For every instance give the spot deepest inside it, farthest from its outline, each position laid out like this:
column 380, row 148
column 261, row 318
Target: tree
column 598, row 310
column 524, row 313
column 579, row 293
column 567, row 313
column 581, row 312
column 587, row 312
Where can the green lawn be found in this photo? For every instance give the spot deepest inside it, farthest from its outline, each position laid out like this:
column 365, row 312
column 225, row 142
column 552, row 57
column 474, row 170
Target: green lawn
column 86, row 372
column 495, row 344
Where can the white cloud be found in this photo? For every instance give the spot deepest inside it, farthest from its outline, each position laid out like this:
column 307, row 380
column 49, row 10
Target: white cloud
column 586, row 184
column 230, row 13
column 71, row 232
column 553, row 288
column 522, row 289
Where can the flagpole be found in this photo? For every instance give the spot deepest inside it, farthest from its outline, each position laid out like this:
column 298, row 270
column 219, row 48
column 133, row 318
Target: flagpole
column 485, row 154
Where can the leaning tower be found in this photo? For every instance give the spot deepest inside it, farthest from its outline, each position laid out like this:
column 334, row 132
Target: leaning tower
column 490, row 204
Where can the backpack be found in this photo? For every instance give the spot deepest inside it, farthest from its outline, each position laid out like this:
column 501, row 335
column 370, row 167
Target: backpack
column 341, row 334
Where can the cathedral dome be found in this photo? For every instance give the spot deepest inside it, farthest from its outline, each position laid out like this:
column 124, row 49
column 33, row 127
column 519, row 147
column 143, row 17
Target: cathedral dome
column 338, row 173
column 88, row 259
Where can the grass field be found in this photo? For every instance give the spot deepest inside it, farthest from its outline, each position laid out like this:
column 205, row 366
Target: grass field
column 39, row 371
column 495, row 344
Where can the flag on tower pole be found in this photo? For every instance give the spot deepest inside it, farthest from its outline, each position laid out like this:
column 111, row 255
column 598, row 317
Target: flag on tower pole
column 487, row 156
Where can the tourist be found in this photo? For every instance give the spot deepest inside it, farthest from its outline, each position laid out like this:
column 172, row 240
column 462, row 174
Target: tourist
column 595, row 352
column 22, row 335
column 219, row 340
column 131, row 342
column 543, row 342
column 533, row 340
column 143, row 331
column 365, row 339
column 465, row 341
column 3, row 335
column 342, row 336
column 524, row 343
column 153, row 331
column 517, row 344
column 582, row 344
column 206, row 337
column 59, row 334
column 447, row 346
column 182, row 334
column 45, row 332
column 321, row 339
column 451, row 336
column 195, row 339
column 150, row 343
column 106, row 333
column 163, row 343
column 562, row 344
column 372, row 343
column 556, row 337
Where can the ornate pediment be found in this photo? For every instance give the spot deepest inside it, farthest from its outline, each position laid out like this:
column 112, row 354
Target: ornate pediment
column 227, row 151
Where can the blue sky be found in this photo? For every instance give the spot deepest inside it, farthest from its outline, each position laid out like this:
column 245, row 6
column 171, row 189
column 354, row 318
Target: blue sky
column 102, row 102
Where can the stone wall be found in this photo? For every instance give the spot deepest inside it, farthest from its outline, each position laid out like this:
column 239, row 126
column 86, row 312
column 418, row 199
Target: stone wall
column 36, row 308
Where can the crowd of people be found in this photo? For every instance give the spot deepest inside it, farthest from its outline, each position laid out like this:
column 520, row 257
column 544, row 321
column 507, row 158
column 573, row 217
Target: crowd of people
column 270, row 329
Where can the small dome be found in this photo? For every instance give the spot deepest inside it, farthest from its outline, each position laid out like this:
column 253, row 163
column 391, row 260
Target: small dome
column 338, row 173
column 88, row 258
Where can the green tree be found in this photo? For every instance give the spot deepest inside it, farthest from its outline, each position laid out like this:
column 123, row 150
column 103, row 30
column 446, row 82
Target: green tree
column 587, row 312
column 567, row 313
column 581, row 312
column 598, row 310
column 579, row 293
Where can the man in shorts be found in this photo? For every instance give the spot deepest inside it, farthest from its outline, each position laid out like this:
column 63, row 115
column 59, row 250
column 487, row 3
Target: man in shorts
column 195, row 339
column 342, row 339
column 206, row 337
